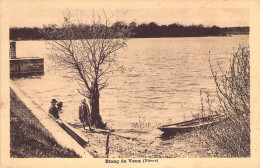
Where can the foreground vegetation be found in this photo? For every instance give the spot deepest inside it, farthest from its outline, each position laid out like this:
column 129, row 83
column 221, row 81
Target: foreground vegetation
column 29, row 139
column 232, row 136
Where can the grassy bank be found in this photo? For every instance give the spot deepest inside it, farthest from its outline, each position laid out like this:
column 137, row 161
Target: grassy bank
column 29, row 139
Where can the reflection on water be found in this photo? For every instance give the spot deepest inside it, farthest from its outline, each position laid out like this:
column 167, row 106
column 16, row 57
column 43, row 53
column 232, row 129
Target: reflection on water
column 161, row 83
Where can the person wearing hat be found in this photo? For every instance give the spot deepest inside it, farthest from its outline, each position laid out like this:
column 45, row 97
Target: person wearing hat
column 84, row 114
column 53, row 109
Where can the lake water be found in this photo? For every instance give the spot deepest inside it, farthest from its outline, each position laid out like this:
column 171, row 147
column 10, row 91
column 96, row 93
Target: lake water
column 161, row 83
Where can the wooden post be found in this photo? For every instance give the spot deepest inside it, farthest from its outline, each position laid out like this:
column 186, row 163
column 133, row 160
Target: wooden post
column 107, row 145
column 12, row 50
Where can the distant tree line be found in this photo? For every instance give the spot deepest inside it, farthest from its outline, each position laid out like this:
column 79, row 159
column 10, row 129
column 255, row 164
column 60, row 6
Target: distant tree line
column 151, row 30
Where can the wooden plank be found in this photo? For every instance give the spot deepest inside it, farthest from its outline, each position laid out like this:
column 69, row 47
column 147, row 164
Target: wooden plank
column 99, row 131
column 75, row 136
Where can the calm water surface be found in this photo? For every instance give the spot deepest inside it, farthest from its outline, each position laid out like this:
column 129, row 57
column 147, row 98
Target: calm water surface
column 161, row 83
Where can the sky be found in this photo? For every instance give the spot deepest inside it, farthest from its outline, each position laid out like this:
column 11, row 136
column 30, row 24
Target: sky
column 223, row 13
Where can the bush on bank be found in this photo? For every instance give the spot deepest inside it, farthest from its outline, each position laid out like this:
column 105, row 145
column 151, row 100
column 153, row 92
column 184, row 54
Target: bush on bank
column 232, row 135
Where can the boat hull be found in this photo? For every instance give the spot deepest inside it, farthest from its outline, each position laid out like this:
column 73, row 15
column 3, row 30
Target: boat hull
column 187, row 126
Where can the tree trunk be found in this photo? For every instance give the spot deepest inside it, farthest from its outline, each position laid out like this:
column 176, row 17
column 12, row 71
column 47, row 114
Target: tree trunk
column 96, row 119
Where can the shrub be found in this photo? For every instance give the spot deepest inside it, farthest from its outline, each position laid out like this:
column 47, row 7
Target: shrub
column 233, row 92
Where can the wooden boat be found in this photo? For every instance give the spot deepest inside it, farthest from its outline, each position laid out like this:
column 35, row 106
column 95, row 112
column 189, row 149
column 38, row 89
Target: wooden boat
column 191, row 124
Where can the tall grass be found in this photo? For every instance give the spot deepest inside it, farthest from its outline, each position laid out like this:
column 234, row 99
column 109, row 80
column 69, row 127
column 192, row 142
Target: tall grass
column 232, row 135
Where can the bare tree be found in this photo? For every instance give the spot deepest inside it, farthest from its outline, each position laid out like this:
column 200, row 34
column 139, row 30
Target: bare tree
column 90, row 52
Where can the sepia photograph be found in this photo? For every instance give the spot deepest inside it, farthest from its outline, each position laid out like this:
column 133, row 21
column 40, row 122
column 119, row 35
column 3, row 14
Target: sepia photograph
column 129, row 82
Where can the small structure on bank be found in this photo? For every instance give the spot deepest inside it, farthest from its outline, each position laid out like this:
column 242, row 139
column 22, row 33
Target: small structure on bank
column 24, row 66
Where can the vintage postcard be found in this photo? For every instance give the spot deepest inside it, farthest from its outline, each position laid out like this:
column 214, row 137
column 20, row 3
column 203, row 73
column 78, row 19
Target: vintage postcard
column 118, row 83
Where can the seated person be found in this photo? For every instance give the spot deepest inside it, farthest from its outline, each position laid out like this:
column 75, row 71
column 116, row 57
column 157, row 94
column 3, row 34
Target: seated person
column 59, row 105
column 53, row 109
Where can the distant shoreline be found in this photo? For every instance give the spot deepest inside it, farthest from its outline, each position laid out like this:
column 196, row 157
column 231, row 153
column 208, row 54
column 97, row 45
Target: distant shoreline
column 143, row 37
column 140, row 31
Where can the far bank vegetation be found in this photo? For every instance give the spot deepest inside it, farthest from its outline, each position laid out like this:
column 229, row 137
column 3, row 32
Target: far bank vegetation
column 144, row 30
